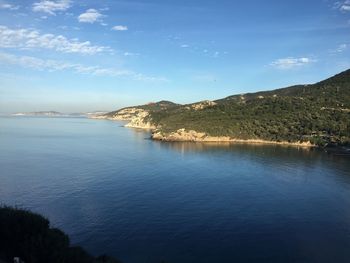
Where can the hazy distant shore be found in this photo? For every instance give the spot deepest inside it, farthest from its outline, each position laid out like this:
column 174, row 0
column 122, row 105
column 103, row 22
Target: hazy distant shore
column 53, row 114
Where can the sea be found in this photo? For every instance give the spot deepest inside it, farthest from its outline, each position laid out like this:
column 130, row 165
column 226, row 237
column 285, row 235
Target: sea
column 115, row 191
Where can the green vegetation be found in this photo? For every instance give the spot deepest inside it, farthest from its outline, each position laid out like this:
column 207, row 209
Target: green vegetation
column 28, row 235
column 319, row 113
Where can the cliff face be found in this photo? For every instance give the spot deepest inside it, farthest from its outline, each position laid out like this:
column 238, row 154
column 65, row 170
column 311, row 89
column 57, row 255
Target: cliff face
column 139, row 121
column 137, row 118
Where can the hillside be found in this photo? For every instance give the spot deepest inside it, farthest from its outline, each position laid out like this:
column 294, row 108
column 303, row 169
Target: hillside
column 128, row 113
column 317, row 113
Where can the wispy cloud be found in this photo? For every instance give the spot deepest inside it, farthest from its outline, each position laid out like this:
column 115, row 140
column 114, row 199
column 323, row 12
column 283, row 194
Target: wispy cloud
column 184, row 46
column 216, row 54
column 90, row 16
column 290, row 62
column 120, row 28
column 54, row 65
column 51, row 7
column 9, row 6
column 131, row 54
column 340, row 49
column 345, row 6
column 32, row 39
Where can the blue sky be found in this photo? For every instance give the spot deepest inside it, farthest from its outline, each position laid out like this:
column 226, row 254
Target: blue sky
column 80, row 55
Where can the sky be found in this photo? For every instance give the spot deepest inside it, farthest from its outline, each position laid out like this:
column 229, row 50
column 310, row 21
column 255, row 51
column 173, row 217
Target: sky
column 101, row 55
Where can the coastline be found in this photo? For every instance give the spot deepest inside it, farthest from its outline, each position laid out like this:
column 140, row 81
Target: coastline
column 182, row 135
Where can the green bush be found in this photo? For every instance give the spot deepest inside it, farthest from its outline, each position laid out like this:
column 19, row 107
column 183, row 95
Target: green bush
column 28, row 235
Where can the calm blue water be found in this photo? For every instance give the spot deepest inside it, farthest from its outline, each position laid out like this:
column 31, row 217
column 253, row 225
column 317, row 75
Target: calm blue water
column 115, row 191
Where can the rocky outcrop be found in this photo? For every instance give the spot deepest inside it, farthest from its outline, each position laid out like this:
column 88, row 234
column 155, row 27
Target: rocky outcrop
column 184, row 135
column 139, row 121
column 127, row 114
column 203, row 104
column 137, row 118
column 193, row 136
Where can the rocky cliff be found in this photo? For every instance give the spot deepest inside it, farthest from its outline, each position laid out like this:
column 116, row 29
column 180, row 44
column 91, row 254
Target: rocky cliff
column 140, row 121
column 137, row 118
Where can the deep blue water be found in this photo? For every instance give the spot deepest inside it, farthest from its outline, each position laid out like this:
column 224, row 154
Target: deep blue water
column 115, row 191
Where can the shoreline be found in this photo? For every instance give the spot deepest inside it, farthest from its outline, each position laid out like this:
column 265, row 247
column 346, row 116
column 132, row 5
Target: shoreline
column 191, row 136
column 242, row 141
column 182, row 135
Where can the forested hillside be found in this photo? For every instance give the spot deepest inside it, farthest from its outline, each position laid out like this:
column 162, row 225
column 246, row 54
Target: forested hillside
column 319, row 113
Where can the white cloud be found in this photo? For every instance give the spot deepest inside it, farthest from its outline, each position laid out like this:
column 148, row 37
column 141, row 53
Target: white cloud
column 32, row 39
column 50, row 7
column 54, row 65
column 9, row 6
column 90, row 16
column 290, row 63
column 184, row 46
column 342, row 5
column 31, row 62
column 120, row 28
column 131, row 54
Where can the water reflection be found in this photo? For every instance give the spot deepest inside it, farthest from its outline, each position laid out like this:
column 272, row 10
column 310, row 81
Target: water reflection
column 268, row 155
column 266, row 151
